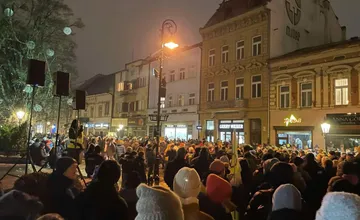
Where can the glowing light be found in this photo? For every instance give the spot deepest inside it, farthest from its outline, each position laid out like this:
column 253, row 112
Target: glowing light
column 20, row 114
column 38, row 108
column 70, row 101
column 171, row 45
column 48, row 123
column 30, row 45
column 28, row 89
column 8, row 12
column 325, row 127
column 292, row 120
column 50, row 52
column 67, row 30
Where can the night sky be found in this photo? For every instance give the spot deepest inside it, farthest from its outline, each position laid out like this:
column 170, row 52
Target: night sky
column 118, row 31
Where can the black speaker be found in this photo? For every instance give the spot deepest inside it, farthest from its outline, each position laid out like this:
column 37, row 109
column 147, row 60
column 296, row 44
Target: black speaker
column 36, row 73
column 80, row 100
column 61, row 83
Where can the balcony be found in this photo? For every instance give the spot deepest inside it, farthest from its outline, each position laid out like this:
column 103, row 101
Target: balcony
column 127, row 92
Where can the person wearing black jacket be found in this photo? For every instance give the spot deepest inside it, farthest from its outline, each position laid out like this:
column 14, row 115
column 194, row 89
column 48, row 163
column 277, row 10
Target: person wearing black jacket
column 101, row 200
column 92, row 160
column 174, row 166
column 61, row 190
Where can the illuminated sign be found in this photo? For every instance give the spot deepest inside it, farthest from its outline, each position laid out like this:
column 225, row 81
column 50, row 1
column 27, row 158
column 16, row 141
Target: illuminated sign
column 231, row 126
column 292, row 120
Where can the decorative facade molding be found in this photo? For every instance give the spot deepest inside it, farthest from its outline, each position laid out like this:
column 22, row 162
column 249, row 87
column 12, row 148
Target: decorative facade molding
column 254, row 66
column 236, row 25
column 237, row 69
column 305, row 73
column 339, row 69
column 282, row 77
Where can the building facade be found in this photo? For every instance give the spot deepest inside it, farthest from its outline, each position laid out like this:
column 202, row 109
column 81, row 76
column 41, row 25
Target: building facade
column 96, row 118
column 130, row 109
column 182, row 75
column 313, row 86
column 238, row 41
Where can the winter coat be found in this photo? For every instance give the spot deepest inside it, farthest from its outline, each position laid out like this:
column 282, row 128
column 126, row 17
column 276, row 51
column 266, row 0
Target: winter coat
column 192, row 212
column 129, row 195
column 217, row 211
column 101, row 202
column 286, row 214
column 260, row 205
column 139, row 166
column 61, row 196
column 201, row 166
column 171, row 169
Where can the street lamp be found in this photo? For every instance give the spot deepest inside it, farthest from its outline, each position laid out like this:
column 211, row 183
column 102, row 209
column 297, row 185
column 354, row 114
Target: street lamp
column 171, row 27
column 325, row 127
column 20, row 115
column 119, row 129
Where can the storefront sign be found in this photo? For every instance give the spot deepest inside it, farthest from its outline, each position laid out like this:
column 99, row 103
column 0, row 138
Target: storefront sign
column 199, row 127
column 292, row 120
column 231, row 124
column 344, row 119
column 175, row 126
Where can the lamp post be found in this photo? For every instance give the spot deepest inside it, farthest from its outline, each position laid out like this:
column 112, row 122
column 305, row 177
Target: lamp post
column 20, row 115
column 325, row 127
column 119, row 129
column 171, row 27
column 199, row 128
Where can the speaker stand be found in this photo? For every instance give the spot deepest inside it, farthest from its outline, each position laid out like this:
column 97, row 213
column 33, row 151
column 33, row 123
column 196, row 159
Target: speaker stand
column 27, row 156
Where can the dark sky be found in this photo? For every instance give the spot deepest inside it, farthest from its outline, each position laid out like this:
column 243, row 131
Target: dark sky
column 118, row 30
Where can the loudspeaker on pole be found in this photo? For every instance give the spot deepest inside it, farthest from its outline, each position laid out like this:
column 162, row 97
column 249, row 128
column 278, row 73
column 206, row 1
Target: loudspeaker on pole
column 61, row 83
column 80, row 100
column 36, row 73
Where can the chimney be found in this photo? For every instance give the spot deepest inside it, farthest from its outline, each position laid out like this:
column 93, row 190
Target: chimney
column 343, row 32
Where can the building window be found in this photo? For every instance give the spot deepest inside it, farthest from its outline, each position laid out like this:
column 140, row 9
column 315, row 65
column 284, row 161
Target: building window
column 181, row 101
column 211, row 92
column 182, row 73
column 284, row 96
column 170, row 102
column 172, row 77
column 100, row 113
column 224, row 90
column 225, row 54
column 306, row 94
column 107, row 108
column 341, row 92
column 162, row 102
column 132, row 107
column 212, row 57
column 120, row 86
column 239, row 89
column 240, row 50
column 192, row 99
column 256, row 86
column 91, row 112
column 256, row 46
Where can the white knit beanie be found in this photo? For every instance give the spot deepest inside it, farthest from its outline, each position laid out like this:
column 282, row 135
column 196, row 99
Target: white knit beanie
column 339, row 205
column 286, row 196
column 187, row 184
column 157, row 203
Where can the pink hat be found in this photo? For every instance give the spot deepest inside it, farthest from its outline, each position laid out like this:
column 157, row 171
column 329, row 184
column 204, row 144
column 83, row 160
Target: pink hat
column 217, row 166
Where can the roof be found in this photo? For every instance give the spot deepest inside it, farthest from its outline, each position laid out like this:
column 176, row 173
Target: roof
column 98, row 84
column 320, row 48
column 232, row 8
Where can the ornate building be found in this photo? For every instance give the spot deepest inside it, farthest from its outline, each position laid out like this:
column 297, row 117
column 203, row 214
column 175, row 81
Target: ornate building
column 312, row 86
column 238, row 41
column 131, row 96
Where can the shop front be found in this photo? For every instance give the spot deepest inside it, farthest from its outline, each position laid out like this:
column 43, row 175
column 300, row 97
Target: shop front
column 180, row 131
column 136, row 127
column 209, row 131
column 226, row 127
column 344, row 131
column 97, row 129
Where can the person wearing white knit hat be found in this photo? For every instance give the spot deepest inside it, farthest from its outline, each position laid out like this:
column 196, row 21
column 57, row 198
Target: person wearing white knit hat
column 157, row 203
column 187, row 186
column 339, row 205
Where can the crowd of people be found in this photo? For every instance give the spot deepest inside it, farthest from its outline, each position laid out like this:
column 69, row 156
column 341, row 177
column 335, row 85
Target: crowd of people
column 202, row 180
